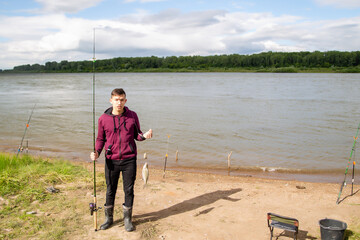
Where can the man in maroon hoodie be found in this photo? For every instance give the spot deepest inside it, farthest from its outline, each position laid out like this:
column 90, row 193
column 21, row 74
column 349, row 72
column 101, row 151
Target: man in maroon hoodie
column 118, row 128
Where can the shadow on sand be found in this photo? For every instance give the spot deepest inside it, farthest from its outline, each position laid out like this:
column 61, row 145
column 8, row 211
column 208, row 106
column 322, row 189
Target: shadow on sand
column 189, row 205
column 302, row 235
column 350, row 195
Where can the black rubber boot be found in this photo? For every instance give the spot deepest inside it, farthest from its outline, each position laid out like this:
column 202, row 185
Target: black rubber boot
column 109, row 213
column 127, row 219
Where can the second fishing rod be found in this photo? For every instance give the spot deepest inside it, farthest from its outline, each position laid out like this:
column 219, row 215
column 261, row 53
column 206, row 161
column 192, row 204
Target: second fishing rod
column 352, row 154
column 26, row 128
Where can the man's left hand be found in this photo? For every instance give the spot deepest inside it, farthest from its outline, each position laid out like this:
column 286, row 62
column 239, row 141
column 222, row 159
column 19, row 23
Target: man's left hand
column 148, row 134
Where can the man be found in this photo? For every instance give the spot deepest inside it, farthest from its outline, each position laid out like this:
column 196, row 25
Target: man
column 118, row 128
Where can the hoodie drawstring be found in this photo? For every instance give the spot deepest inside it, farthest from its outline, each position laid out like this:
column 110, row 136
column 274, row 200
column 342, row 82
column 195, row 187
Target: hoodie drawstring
column 114, row 124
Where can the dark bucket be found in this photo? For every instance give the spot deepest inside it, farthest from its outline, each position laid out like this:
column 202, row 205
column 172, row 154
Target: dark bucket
column 332, row 229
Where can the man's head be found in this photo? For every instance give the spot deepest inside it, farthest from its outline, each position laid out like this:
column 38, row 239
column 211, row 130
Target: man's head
column 118, row 100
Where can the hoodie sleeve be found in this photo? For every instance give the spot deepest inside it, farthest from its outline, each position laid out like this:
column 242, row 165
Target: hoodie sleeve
column 101, row 137
column 138, row 135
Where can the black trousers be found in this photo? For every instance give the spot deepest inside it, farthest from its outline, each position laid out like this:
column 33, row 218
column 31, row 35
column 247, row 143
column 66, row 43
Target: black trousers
column 112, row 174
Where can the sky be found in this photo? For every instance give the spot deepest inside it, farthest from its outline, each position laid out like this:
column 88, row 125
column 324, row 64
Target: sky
column 40, row 31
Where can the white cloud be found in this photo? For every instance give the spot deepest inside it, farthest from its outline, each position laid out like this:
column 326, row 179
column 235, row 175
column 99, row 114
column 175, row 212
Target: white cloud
column 276, row 47
column 41, row 38
column 66, row 6
column 55, row 37
column 340, row 3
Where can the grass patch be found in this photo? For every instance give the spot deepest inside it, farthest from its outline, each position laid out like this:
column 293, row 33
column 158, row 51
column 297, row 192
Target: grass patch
column 149, row 231
column 352, row 233
column 27, row 177
column 23, row 183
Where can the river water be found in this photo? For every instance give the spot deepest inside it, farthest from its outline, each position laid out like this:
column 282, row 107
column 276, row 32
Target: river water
column 272, row 123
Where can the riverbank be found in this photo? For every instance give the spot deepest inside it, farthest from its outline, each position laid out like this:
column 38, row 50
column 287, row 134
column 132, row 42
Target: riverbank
column 305, row 175
column 266, row 61
column 186, row 205
column 207, row 70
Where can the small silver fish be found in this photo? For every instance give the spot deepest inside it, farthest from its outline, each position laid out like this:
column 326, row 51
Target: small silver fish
column 145, row 156
column 145, row 173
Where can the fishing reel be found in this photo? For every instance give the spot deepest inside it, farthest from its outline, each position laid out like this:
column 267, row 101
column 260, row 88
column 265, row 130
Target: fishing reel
column 93, row 208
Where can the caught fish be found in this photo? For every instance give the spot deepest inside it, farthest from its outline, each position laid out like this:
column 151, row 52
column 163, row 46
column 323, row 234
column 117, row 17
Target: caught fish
column 145, row 156
column 145, row 173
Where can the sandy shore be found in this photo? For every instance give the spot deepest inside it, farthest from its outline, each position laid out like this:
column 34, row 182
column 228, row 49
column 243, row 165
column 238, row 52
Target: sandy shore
column 186, row 205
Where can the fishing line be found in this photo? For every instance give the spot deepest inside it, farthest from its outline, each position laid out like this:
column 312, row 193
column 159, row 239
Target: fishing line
column 167, row 147
column 151, row 123
column 26, row 128
column 343, row 184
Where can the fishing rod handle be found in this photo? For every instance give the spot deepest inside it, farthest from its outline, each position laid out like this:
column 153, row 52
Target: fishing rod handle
column 95, row 215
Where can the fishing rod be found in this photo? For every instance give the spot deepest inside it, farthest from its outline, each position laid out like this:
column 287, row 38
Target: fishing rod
column 93, row 205
column 353, row 175
column 343, row 184
column 166, row 155
column 26, row 127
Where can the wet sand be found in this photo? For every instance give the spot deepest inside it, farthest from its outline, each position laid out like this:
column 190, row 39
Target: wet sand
column 308, row 175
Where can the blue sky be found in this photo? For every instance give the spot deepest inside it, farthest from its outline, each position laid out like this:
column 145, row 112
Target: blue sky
column 41, row 30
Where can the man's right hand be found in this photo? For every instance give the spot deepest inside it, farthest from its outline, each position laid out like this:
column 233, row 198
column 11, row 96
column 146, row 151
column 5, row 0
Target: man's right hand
column 94, row 155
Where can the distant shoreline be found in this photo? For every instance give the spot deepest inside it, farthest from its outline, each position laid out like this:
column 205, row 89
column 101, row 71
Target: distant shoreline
column 209, row 70
column 287, row 62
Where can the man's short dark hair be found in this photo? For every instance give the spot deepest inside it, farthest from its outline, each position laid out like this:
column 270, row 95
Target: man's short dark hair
column 118, row 92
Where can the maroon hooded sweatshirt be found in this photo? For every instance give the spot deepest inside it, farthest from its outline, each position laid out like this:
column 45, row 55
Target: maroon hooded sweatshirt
column 117, row 133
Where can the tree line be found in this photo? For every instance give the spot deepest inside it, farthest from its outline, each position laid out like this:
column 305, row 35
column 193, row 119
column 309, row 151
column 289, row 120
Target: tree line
column 260, row 61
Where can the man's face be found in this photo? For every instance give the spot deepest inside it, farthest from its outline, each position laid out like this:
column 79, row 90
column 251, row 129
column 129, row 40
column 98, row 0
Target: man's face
column 118, row 102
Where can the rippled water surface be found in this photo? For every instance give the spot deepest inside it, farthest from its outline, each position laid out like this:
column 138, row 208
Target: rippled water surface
column 273, row 121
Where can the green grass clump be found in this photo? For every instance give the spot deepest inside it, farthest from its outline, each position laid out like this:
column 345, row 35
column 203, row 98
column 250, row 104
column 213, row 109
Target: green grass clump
column 23, row 183
column 352, row 233
column 27, row 177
